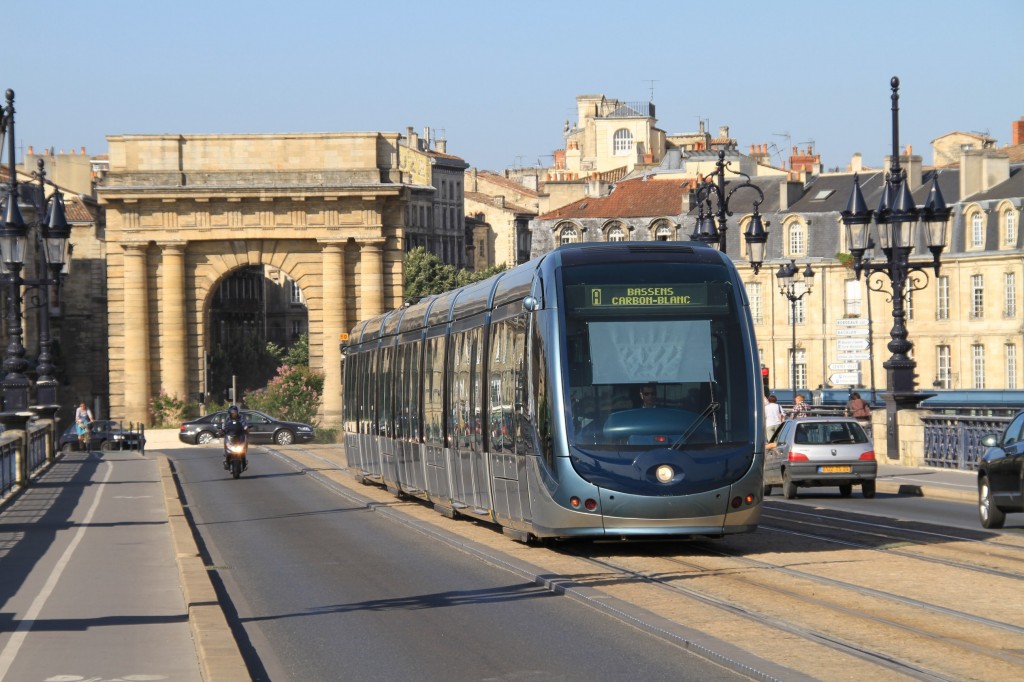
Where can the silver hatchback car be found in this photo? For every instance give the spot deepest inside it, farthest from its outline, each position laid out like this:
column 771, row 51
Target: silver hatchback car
column 820, row 451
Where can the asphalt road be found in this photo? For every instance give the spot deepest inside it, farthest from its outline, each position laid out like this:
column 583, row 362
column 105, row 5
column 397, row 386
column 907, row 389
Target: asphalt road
column 945, row 513
column 321, row 588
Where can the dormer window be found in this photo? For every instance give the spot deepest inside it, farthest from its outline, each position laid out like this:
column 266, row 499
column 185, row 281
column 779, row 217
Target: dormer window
column 622, row 142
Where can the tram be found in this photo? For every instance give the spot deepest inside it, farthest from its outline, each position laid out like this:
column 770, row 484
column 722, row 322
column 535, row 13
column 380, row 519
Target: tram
column 604, row 391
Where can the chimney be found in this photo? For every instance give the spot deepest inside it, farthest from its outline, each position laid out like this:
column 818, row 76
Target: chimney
column 442, row 146
column 723, row 132
column 857, row 163
column 472, row 180
column 414, row 139
column 1018, row 131
column 426, row 138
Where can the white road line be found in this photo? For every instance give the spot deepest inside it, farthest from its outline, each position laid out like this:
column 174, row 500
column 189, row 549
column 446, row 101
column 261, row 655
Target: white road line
column 18, row 637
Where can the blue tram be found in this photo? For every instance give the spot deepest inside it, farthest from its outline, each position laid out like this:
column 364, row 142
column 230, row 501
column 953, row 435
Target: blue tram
column 601, row 391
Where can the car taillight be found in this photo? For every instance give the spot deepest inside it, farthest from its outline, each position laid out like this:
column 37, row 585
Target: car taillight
column 870, row 454
column 797, row 457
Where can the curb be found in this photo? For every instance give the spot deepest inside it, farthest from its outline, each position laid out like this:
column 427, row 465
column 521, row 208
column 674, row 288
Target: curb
column 933, row 491
column 216, row 648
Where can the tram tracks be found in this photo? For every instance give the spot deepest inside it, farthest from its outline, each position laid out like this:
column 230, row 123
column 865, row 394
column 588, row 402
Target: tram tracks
column 908, row 636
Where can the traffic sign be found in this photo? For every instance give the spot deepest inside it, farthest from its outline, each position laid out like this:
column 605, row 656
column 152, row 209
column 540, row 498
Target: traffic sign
column 852, row 331
column 852, row 344
column 843, row 366
column 845, row 379
column 854, row 355
column 853, row 322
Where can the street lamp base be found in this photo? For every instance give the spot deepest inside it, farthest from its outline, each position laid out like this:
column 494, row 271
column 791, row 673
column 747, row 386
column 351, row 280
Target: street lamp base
column 894, row 402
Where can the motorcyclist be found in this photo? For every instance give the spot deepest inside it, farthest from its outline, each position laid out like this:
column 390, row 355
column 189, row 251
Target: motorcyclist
column 235, row 424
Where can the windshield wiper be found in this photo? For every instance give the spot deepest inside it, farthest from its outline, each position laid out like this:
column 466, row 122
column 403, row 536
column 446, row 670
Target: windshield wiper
column 708, row 411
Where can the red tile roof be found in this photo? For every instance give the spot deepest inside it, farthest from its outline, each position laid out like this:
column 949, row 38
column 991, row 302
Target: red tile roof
column 637, row 198
column 505, row 182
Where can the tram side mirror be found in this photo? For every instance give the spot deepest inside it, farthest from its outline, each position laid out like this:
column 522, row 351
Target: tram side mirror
column 530, row 303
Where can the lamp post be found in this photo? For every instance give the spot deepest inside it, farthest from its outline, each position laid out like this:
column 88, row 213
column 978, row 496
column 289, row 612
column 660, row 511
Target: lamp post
column 712, row 225
column 794, row 289
column 895, row 222
column 52, row 237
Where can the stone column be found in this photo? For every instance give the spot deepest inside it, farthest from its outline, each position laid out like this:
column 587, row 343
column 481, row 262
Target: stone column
column 334, row 324
column 173, row 335
column 371, row 278
column 136, row 335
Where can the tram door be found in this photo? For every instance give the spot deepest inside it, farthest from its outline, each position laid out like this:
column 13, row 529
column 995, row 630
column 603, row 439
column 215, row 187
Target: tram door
column 386, row 410
column 438, row 484
column 470, row 476
column 408, row 450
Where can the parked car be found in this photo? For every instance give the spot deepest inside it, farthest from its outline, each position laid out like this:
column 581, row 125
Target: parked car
column 262, row 429
column 820, row 451
column 1000, row 471
column 104, row 434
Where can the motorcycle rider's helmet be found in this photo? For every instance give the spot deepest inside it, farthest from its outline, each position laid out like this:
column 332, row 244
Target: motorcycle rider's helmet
column 233, row 412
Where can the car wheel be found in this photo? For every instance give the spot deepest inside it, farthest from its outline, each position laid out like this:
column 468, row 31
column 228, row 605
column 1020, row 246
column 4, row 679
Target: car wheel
column 991, row 515
column 105, row 445
column 204, row 437
column 284, row 437
column 846, row 489
column 67, row 447
column 788, row 486
column 768, row 490
column 867, row 489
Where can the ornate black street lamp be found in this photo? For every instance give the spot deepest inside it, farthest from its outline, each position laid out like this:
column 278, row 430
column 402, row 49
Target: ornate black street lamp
column 53, row 234
column 794, row 289
column 895, row 222
column 712, row 225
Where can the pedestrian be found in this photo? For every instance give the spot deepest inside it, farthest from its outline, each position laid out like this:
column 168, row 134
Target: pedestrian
column 800, row 407
column 83, row 417
column 859, row 409
column 773, row 415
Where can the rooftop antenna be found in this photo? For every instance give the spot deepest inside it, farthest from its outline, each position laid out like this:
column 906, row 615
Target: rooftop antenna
column 651, row 82
column 810, row 142
column 789, row 138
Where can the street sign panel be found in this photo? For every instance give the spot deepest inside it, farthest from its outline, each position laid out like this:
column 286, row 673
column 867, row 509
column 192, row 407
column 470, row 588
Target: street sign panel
column 852, row 331
column 852, row 344
column 845, row 379
column 843, row 366
column 853, row 322
column 854, row 355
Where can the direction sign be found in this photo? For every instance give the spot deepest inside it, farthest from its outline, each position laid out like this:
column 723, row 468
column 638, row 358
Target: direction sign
column 853, row 355
column 843, row 366
column 852, row 331
column 845, row 379
column 853, row 322
column 852, row 344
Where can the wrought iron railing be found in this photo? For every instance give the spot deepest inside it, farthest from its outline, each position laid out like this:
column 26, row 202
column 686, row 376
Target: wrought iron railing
column 954, row 441
column 37, row 448
column 8, row 466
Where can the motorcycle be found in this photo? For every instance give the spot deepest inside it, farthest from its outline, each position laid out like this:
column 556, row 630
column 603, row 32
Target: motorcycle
column 236, row 447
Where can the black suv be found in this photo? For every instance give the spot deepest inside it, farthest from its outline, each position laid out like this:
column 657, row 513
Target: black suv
column 262, row 429
column 104, row 434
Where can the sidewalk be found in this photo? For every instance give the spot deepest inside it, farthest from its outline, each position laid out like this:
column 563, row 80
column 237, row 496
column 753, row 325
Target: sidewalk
column 102, row 578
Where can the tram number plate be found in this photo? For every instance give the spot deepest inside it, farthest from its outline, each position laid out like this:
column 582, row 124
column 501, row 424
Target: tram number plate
column 834, row 470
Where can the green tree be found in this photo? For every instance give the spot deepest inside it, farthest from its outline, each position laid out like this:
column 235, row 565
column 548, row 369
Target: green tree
column 425, row 274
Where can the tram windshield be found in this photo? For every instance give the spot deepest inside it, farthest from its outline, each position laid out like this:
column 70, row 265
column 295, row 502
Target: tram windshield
column 657, row 371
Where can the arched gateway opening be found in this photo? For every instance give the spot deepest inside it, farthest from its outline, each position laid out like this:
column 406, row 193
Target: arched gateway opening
column 186, row 213
column 254, row 308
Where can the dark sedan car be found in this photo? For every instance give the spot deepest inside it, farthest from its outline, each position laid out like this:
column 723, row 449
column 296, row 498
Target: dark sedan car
column 1001, row 474
column 104, row 434
column 262, row 429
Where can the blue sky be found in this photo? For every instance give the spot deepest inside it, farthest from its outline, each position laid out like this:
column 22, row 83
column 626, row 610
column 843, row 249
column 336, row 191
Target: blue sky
column 500, row 79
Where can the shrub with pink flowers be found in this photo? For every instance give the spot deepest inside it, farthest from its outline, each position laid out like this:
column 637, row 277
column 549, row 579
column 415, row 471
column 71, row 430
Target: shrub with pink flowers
column 293, row 394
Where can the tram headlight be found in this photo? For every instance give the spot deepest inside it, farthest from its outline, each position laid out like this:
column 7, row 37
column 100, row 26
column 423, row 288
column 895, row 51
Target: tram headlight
column 664, row 473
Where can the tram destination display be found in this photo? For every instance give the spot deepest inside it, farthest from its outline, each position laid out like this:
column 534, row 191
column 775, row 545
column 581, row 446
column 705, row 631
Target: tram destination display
column 621, row 297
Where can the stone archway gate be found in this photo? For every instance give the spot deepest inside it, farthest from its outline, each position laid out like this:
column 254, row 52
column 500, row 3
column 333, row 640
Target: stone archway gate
column 184, row 211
